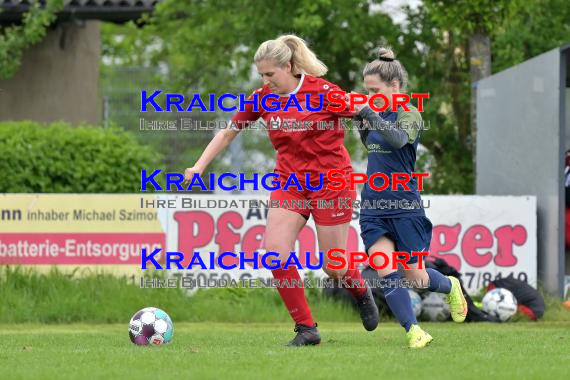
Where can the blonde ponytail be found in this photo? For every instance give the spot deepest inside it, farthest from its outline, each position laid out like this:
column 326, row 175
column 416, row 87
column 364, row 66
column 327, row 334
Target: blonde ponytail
column 291, row 49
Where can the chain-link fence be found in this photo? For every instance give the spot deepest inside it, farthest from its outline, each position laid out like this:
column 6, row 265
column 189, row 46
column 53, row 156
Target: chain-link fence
column 121, row 96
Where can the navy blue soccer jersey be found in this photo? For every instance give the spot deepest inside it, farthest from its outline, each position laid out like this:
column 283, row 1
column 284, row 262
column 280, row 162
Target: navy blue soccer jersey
column 384, row 158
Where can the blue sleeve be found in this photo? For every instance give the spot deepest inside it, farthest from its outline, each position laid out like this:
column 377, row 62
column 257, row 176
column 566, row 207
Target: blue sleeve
column 394, row 136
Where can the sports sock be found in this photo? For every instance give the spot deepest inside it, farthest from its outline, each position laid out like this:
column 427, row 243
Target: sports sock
column 398, row 300
column 354, row 283
column 438, row 282
column 293, row 296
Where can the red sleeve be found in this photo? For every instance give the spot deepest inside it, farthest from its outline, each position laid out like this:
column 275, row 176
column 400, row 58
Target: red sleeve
column 342, row 113
column 248, row 114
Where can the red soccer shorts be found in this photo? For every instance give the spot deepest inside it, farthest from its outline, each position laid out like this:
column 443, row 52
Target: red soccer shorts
column 328, row 207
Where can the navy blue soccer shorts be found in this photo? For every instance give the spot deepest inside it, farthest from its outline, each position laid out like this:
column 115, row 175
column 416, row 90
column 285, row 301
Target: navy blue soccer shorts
column 409, row 234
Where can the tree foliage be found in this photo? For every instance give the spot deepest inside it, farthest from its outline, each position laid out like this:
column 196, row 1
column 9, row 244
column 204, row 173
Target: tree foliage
column 518, row 30
column 15, row 39
column 208, row 46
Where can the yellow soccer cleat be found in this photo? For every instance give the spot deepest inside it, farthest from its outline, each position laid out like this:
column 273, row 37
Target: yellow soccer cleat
column 418, row 338
column 456, row 301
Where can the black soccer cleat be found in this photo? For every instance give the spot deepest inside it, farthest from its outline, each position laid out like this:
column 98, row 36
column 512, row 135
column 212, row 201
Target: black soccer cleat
column 368, row 310
column 306, row 336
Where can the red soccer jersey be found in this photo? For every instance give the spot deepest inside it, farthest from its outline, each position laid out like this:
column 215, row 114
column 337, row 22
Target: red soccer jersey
column 299, row 150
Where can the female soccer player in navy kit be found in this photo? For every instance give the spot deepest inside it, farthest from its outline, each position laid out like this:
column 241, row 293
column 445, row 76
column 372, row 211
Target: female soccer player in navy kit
column 393, row 150
column 288, row 67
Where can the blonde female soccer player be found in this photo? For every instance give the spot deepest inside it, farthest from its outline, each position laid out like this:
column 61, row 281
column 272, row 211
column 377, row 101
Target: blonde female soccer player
column 289, row 67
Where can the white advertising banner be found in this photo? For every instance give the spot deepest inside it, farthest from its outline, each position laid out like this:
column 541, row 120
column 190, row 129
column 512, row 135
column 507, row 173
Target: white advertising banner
column 483, row 237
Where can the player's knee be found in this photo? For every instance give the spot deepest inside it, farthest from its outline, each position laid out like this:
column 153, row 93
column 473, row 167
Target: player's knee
column 334, row 273
column 385, row 272
column 274, row 245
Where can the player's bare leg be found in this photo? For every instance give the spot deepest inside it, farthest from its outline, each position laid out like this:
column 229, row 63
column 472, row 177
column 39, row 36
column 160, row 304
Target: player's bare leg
column 331, row 237
column 417, row 276
column 281, row 232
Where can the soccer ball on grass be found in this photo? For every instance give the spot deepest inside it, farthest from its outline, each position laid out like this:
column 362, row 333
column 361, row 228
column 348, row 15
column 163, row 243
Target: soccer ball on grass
column 150, row 326
column 500, row 303
column 434, row 308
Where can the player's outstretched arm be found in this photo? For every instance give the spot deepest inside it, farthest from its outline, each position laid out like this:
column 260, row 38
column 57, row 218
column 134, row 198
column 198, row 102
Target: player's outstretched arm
column 217, row 145
column 394, row 136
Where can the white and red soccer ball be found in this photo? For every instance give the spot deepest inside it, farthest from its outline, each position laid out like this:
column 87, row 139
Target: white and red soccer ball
column 501, row 303
column 151, row 326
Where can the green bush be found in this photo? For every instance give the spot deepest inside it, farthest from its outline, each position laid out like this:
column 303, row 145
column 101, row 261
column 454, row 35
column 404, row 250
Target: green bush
column 59, row 158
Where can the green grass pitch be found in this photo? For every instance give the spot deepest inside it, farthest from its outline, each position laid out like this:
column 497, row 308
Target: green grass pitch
column 256, row 351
